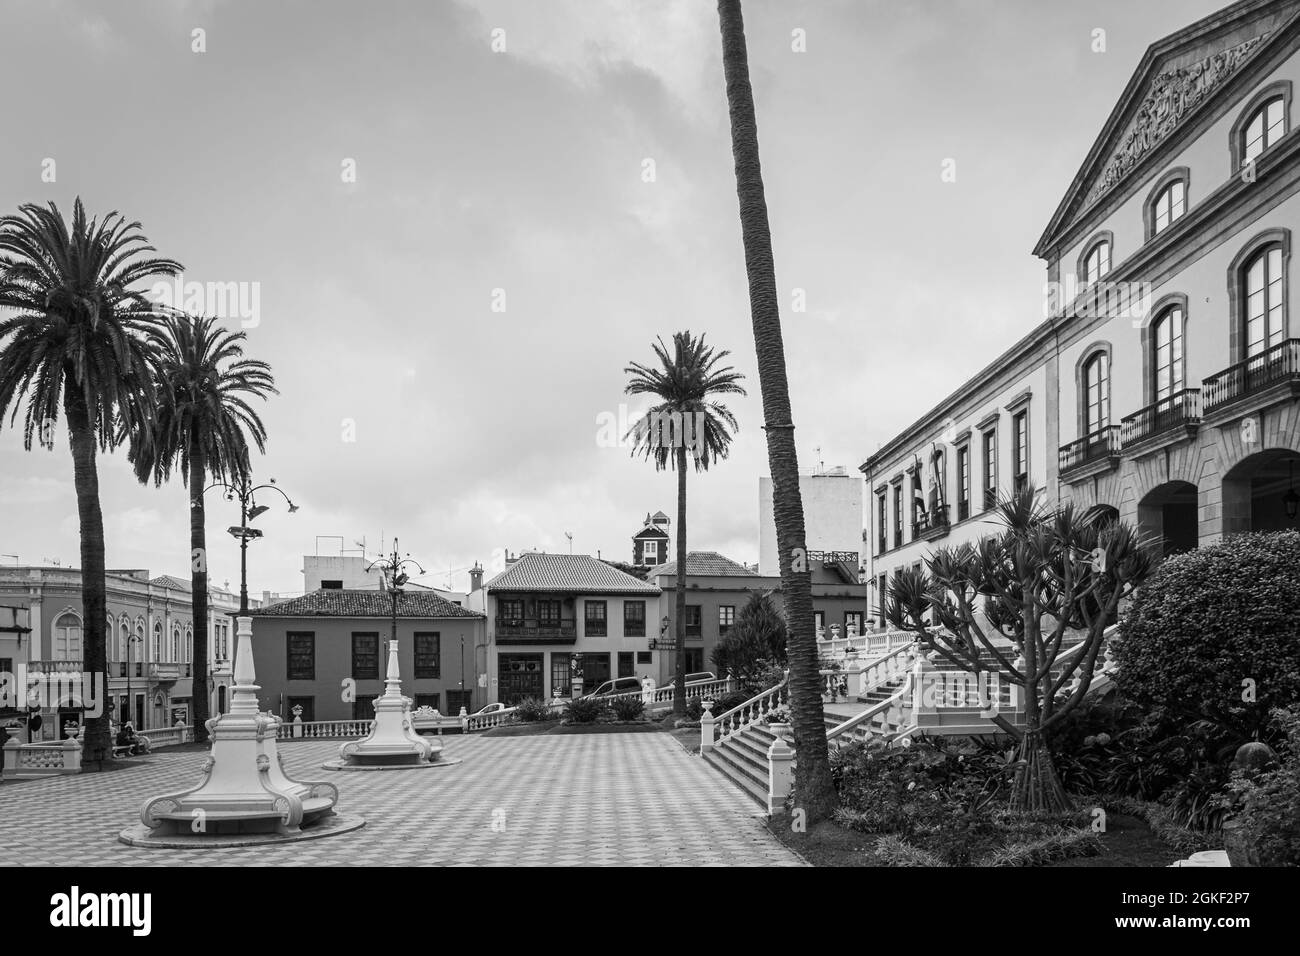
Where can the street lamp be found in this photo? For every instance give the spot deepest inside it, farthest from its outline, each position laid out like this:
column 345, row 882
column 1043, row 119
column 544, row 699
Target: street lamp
column 243, row 492
column 130, row 701
column 395, row 578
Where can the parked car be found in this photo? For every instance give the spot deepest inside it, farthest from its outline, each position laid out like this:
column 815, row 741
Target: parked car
column 490, row 709
column 619, row 685
column 700, row 677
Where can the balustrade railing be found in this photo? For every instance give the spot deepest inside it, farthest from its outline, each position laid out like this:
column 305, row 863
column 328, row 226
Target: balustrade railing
column 1103, row 443
column 728, row 724
column 317, row 729
column 1181, row 409
column 1279, row 364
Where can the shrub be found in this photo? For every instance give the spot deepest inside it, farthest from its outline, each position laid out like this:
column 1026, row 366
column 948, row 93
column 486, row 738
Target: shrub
column 893, row 851
column 585, row 710
column 531, row 710
column 727, row 701
column 695, row 708
column 1210, row 619
column 1269, row 801
column 629, row 708
column 1066, row 844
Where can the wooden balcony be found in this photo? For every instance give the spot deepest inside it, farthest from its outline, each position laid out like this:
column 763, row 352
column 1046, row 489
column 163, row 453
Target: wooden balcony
column 515, row 631
column 1170, row 419
column 1090, row 455
column 1255, row 381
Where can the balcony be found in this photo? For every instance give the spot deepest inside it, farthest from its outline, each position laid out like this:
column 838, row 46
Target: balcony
column 932, row 524
column 515, row 631
column 1274, row 374
column 1091, row 454
column 1171, row 419
column 165, row 671
column 54, row 667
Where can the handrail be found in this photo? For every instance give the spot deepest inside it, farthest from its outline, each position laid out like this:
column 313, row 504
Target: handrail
column 732, row 717
column 888, row 704
column 660, row 695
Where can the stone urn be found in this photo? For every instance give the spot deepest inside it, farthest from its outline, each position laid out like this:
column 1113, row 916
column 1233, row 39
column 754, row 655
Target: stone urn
column 1241, row 850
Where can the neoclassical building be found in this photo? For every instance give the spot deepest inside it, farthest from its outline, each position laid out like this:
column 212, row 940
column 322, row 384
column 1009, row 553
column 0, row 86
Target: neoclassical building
column 1164, row 385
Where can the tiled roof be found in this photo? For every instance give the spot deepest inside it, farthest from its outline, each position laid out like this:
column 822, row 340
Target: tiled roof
column 335, row 602
column 651, row 532
column 571, row 573
column 706, row 562
column 167, row 581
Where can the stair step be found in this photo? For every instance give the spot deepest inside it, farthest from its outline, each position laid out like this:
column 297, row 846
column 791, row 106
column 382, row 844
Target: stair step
column 742, row 752
column 741, row 780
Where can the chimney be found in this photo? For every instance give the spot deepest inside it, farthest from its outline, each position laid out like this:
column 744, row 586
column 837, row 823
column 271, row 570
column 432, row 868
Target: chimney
column 475, row 578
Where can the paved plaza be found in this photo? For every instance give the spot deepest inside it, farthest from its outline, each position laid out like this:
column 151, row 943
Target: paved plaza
column 597, row 799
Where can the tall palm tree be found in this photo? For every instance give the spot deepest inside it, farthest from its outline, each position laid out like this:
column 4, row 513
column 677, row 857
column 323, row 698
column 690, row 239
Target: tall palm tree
column 815, row 793
column 79, row 343
column 203, row 422
column 686, row 420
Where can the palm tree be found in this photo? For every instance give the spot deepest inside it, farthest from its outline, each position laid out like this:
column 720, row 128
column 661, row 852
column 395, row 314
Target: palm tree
column 79, row 341
column 202, row 424
column 686, row 419
column 815, row 793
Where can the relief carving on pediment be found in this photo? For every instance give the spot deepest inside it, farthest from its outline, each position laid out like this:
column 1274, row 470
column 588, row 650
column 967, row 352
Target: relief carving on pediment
column 1172, row 96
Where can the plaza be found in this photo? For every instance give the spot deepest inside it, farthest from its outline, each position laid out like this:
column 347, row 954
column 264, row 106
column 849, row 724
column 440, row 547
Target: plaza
column 575, row 799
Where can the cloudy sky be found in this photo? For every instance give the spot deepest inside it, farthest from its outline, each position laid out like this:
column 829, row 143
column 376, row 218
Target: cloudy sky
column 410, row 403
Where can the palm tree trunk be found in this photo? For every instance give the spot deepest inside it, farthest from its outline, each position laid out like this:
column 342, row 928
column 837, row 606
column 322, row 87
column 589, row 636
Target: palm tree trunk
column 199, row 588
column 679, row 688
column 96, row 742
column 814, row 791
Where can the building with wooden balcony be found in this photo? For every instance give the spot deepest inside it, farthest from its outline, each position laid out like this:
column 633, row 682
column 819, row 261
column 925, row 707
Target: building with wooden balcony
column 1164, row 385
column 554, row 617
column 149, row 640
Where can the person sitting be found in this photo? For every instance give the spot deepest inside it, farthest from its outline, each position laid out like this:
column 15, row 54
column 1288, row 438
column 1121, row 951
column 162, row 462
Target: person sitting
column 127, row 737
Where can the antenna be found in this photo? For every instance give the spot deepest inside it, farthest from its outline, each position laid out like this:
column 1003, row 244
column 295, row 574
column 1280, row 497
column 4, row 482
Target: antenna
column 569, row 535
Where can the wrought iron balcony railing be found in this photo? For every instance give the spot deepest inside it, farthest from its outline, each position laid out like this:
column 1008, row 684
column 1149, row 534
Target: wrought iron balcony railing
column 1179, row 410
column 1095, row 447
column 1277, row 366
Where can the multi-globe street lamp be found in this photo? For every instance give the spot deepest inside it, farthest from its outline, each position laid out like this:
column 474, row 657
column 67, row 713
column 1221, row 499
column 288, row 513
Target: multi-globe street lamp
column 392, row 568
column 244, row 491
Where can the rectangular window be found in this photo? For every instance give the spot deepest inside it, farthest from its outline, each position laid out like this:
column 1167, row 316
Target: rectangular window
column 694, row 660
column 898, row 515
column 427, row 700
column 990, row 469
column 693, row 621
column 852, row 622
column 726, row 618
column 458, row 700
column 963, row 482
column 882, row 596
column 1020, row 448
column 594, row 625
column 644, row 657
column 365, row 656
column 428, row 655
column 650, row 552
column 560, row 673
column 626, row 664
column 331, row 585
column 819, row 621
column 363, row 708
column 301, row 649
column 634, row 618
column 882, row 524
column 548, row 612
column 510, row 610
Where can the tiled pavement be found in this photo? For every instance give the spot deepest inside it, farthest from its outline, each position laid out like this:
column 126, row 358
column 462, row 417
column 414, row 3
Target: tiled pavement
column 627, row 799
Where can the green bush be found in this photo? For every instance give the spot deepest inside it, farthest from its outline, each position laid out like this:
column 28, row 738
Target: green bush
column 532, row 709
column 695, row 708
column 1214, row 626
column 629, row 708
column 586, row 710
column 1269, row 801
column 727, row 701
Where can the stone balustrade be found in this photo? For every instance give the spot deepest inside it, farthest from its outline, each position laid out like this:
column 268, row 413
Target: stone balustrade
column 52, row 758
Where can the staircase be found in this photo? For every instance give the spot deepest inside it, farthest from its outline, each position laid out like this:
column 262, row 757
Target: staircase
column 742, row 759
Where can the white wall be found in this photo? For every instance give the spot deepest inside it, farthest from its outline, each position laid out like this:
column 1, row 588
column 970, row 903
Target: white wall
column 832, row 515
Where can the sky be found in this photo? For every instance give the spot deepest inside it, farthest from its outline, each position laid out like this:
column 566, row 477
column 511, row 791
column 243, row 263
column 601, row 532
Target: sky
column 454, row 225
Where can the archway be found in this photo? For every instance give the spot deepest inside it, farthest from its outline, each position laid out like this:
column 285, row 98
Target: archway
column 1168, row 514
column 1101, row 515
column 1262, row 493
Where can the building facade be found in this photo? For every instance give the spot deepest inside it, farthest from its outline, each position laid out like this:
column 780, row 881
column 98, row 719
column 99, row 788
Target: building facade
column 552, row 618
column 150, row 640
column 832, row 516
column 652, row 545
column 717, row 589
column 327, row 653
column 1164, row 386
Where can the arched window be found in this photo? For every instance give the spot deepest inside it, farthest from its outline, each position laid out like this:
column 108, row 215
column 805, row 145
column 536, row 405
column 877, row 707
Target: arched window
column 1096, row 261
column 1096, row 387
column 1264, row 128
column 189, row 645
column 123, row 640
column 176, row 644
column 110, row 642
column 1168, row 206
column 1167, row 353
column 67, row 637
column 1264, row 315
column 157, row 641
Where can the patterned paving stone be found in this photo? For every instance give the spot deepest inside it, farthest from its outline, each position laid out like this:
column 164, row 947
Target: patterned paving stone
column 597, row 799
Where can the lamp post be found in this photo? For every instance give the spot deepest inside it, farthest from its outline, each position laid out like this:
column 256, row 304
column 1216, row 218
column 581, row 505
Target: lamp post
column 130, row 701
column 391, row 567
column 462, row 670
column 244, row 491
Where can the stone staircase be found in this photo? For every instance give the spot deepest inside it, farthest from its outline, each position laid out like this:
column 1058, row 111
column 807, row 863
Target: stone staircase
column 742, row 759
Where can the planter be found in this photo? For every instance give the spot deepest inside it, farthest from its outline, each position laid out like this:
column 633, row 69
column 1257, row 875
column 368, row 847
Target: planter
column 782, row 731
